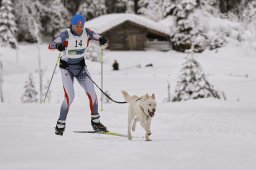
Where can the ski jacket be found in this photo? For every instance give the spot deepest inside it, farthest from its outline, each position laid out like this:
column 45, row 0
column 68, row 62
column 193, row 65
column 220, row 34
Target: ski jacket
column 77, row 44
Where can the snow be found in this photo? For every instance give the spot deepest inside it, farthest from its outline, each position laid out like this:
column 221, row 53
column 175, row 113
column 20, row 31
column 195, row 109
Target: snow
column 208, row 22
column 204, row 134
column 169, row 21
column 104, row 23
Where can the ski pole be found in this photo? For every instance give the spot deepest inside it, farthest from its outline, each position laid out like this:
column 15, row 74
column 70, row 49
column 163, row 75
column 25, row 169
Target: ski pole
column 101, row 61
column 58, row 59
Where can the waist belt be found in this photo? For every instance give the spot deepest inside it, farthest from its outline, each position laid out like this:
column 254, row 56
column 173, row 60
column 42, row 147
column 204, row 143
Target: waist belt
column 63, row 64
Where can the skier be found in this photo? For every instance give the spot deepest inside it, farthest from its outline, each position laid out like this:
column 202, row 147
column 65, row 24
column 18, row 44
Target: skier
column 73, row 42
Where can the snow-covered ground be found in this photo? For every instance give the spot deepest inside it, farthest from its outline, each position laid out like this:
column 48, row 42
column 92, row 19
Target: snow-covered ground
column 205, row 134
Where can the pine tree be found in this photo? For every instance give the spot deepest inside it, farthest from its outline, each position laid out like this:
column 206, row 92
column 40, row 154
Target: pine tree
column 249, row 13
column 28, row 20
column 116, row 6
column 229, row 5
column 182, row 38
column 192, row 83
column 153, row 9
column 54, row 17
column 71, row 6
column 48, row 17
column 210, row 6
column 130, row 7
column 30, row 94
column 8, row 26
column 92, row 8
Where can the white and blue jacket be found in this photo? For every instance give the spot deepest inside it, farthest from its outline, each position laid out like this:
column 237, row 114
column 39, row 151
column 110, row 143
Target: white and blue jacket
column 77, row 44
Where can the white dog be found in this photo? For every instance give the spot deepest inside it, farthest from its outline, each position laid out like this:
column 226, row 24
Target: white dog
column 140, row 108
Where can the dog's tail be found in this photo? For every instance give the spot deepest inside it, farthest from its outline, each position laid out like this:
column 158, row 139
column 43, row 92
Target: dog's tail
column 127, row 97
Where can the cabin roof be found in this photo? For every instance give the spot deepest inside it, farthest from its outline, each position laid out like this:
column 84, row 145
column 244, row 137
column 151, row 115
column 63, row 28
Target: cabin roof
column 105, row 23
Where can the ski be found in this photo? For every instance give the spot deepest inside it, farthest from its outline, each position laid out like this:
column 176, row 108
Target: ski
column 101, row 132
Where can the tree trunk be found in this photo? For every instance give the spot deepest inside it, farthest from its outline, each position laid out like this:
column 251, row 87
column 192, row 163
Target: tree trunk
column 136, row 6
column 228, row 5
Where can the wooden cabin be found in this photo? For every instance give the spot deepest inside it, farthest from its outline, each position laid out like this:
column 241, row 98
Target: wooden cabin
column 131, row 32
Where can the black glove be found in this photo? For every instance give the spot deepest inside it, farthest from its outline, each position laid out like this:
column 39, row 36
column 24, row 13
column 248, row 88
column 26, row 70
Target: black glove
column 103, row 40
column 60, row 47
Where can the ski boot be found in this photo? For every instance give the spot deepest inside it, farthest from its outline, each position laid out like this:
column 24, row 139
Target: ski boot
column 96, row 125
column 99, row 127
column 60, row 127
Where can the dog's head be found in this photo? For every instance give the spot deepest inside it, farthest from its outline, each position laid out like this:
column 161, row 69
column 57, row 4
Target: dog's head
column 149, row 104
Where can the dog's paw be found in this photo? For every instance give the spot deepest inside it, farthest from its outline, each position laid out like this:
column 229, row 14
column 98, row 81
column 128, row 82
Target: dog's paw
column 129, row 137
column 149, row 133
column 148, row 140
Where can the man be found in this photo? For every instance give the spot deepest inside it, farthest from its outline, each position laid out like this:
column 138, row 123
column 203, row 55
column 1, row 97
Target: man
column 73, row 42
column 115, row 65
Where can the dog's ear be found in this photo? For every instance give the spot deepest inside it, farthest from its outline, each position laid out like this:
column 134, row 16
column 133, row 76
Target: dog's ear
column 153, row 96
column 147, row 96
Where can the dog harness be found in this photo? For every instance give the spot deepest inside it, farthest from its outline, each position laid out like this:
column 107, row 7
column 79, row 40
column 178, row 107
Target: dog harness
column 142, row 108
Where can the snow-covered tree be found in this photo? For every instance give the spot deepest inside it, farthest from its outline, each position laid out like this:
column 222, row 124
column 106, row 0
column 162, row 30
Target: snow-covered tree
column 182, row 38
column 30, row 94
column 210, row 6
column 169, row 7
column 216, row 41
column 153, row 9
column 229, row 5
column 92, row 8
column 249, row 13
column 46, row 16
column 116, row 6
column 188, row 33
column 130, row 6
column 8, row 26
column 54, row 17
column 200, row 42
column 249, row 22
column 192, row 82
column 71, row 6
column 28, row 20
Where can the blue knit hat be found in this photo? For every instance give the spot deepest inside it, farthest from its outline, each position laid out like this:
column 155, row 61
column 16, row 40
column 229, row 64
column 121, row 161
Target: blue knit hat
column 77, row 19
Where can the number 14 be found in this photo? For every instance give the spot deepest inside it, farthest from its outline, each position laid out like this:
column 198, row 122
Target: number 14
column 80, row 43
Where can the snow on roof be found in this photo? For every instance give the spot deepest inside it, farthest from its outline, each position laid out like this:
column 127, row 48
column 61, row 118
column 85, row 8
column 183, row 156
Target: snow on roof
column 105, row 22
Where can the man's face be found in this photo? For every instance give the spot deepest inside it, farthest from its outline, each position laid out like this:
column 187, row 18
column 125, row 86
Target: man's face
column 78, row 29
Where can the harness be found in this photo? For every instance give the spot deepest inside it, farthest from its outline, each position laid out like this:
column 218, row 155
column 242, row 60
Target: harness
column 142, row 108
column 74, row 69
column 65, row 65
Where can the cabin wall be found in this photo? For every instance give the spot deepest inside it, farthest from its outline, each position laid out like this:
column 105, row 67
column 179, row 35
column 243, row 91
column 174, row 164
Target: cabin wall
column 127, row 36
